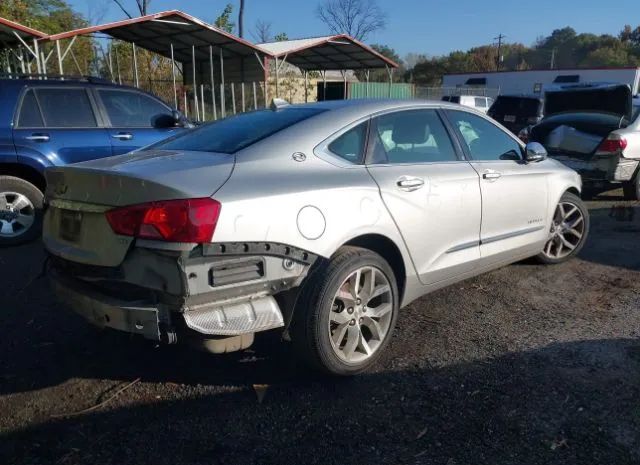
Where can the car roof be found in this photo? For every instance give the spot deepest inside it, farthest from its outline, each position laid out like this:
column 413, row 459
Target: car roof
column 68, row 81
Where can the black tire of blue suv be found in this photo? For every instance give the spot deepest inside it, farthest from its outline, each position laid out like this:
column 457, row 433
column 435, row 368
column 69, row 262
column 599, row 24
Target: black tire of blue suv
column 11, row 189
column 631, row 189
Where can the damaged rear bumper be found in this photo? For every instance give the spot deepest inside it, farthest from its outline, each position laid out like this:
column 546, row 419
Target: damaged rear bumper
column 609, row 168
column 221, row 290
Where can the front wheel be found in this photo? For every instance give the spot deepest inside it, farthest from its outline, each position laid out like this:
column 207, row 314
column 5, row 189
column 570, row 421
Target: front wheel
column 346, row 312
column 20, row 211
column 569, row 230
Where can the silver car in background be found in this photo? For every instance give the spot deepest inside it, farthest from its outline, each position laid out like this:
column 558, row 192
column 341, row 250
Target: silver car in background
column 319, row 220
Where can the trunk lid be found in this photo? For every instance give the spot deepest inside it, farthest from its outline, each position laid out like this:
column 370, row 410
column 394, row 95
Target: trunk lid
column 614, row 99
column 75, row 226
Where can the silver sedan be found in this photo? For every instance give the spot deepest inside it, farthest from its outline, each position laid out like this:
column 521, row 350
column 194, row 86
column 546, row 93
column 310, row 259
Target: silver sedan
column 319, row 221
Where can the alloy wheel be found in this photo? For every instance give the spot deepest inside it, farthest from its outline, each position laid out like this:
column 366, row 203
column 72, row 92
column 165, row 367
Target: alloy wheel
column 17, row 214
column 361, row 314
column 567, row 231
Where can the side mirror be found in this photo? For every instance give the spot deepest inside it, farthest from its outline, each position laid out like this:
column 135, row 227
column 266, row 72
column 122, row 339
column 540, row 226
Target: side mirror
column 180, row 120
column 535, row 152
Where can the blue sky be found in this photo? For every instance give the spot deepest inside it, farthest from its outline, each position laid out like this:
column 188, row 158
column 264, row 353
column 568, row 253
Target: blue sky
column 433, row 27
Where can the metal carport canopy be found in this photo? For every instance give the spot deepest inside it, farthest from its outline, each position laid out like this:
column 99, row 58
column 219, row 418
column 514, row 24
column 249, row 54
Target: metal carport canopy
column 337, row 52
column 243, row 61
column 10, row 31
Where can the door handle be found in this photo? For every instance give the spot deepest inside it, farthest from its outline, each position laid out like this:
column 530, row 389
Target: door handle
column 409, row 184
column 38, row 137
column 123, row 136
column 491, row 175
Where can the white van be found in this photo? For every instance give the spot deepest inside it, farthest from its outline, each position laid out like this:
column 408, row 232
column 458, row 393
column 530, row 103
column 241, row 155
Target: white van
column 479, row 103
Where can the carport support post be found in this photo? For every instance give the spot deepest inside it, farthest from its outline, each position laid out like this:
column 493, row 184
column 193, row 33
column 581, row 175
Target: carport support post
column 390, row 73
column 255, row 96
column 60, row 67
column 223, row 109
column 213, row 85
column 115, row 49
column 36, row 53
column 242, row 92
column 195, row 84
column 324, row 85
column 344, row 82
column 367, row 73
column 204, row 115
column 173, row 76
column 277, row 79
column 306, row 86
column 135, row 64
column 233, row 97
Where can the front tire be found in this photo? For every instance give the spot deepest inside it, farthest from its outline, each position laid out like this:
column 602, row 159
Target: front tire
column 20, row 211
column 569, row 230
column 346, row 312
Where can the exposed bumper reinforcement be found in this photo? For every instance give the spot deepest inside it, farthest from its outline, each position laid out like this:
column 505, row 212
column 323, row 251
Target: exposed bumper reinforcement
column 235, row 318
column 111, row 313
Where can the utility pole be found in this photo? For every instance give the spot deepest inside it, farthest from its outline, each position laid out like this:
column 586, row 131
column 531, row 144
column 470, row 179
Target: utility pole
column 499, row 58
column 241, row 20
column 553, row 57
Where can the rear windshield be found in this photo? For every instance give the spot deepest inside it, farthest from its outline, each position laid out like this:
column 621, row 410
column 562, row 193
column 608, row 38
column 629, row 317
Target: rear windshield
column 517, row 106
column 237, row 132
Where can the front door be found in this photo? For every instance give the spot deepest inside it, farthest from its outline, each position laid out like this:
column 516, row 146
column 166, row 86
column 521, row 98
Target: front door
column 432, row 194
column 514, row 193
column 59, row 126
column 135, row 119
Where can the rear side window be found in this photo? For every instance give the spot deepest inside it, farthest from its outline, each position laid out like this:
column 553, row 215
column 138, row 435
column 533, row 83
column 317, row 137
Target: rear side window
column 128, row 109
column 351, row 144
column 66, row 108
column 520, row 106
column 29, row 115
column 237, row 132
column 481, row 102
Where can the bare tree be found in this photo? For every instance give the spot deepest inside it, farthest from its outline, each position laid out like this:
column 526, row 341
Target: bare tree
column 358, row 18
column 143, row 7
column 261, row 32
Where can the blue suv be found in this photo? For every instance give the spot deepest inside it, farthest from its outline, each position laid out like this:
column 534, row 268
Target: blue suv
column 54, row 122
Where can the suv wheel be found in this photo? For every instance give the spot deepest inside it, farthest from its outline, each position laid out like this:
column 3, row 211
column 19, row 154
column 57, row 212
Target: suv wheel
column 631, row 189
column 347, row 312
column 569, row 230
column 20, row 211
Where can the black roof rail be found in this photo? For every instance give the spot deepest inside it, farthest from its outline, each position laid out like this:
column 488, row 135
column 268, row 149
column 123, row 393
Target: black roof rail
column 55, row 77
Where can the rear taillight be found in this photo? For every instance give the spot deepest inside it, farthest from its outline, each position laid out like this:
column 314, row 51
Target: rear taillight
column 183, row 220
column 612, row 144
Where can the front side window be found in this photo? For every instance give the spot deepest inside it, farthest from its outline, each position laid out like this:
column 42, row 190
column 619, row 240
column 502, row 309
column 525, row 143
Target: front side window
column 414, row 136
column 29, row 115
column 127, row 109
column 66, row 108
column 484, row 139
column 237, row 132
column 350, row 145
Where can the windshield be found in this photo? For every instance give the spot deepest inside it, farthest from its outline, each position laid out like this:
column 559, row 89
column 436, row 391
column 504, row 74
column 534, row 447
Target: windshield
column 236, row 132
column 517, row 106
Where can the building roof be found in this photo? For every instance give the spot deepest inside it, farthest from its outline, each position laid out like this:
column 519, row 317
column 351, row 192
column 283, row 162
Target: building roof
column 156, row 32
column 9, row 30
column 337, row 52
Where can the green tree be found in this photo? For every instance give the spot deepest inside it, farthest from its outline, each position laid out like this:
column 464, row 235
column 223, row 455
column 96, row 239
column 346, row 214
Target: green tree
column 224, row 20
column 281, row 37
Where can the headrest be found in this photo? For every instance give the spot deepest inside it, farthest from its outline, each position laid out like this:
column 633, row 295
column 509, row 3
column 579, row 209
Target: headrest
column 410, row 130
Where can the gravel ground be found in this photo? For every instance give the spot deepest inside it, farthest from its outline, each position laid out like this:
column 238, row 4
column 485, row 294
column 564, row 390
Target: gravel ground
column 525, row 365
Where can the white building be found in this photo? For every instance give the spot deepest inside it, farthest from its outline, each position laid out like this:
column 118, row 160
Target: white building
column 535, row 81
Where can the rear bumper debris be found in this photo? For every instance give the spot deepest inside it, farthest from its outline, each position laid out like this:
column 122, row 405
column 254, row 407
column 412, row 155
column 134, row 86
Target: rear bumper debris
column 606, row 168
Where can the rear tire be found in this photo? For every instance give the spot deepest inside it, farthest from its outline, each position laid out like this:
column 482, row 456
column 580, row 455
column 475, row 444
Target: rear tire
column 20, row 211
column 346, row 312
column 569, row 230
column 631, row 189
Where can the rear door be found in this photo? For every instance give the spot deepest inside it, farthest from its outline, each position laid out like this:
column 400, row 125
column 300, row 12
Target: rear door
column 514, row 193
column 134, row 118
column 432, row 193
column 59, row 125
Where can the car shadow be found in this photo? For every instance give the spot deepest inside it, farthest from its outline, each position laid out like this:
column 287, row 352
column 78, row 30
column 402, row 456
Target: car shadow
column 569, row 403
